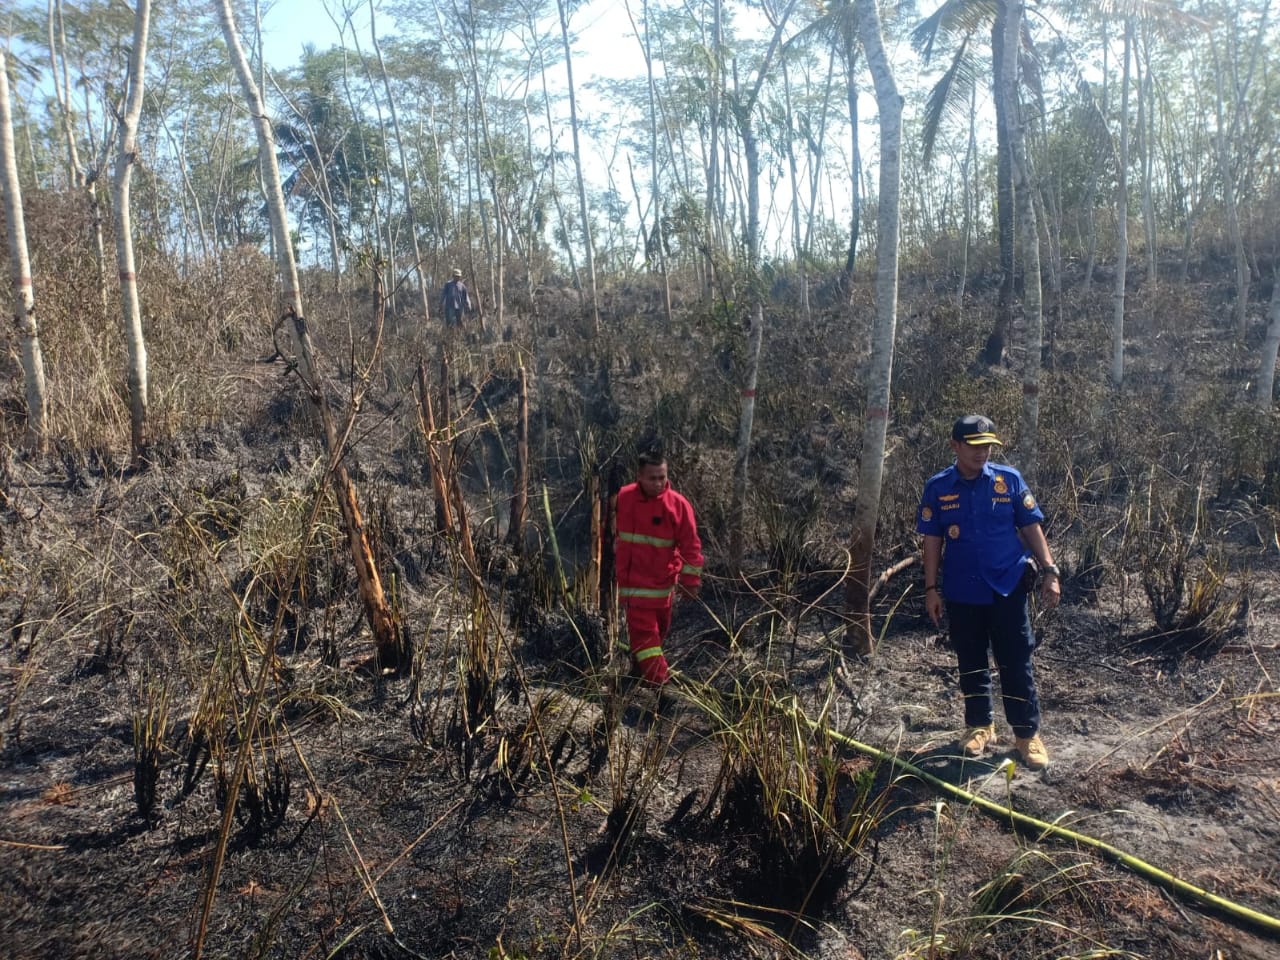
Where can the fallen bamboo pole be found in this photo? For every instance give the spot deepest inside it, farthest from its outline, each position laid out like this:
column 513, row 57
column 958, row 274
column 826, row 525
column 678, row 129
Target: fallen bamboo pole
column 1162, row 878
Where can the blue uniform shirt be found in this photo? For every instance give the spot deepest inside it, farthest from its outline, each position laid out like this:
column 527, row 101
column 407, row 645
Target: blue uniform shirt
column 978, row 521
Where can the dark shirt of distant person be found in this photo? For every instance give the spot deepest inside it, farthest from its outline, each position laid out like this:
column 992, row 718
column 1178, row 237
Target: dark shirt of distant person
column 455, row 300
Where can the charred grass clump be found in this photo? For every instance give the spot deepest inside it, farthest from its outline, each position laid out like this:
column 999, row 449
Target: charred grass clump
column 799, row 823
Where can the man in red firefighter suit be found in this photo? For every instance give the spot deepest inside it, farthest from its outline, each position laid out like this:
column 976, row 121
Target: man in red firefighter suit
column 657, row 551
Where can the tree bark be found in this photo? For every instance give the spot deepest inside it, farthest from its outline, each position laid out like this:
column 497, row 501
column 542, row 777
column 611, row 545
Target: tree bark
column 37, row 428
column 859, row 637
column 131, row 309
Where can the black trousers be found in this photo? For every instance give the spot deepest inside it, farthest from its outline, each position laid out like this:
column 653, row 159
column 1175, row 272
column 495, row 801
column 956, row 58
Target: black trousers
column 1002, row 628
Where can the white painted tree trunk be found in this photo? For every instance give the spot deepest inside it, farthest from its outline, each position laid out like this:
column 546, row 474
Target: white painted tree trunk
column 859, row 636
column 24, row 319
column 130, row 307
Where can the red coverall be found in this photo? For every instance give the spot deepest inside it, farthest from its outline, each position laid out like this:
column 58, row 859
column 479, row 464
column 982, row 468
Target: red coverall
column 657, row 546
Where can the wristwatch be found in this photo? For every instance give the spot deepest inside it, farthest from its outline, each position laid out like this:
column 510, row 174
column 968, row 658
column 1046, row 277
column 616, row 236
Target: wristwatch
column 1051, row 569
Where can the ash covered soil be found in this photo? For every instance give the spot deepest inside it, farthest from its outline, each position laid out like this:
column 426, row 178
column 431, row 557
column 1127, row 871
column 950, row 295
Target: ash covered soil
column 576, row 818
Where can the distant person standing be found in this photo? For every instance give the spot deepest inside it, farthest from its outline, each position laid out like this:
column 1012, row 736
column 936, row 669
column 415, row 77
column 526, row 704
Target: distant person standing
column 455, row 300
column 657, row 553
column 981, row 527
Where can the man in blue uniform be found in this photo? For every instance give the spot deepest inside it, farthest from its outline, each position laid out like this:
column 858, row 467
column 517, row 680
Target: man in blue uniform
column 981, row 527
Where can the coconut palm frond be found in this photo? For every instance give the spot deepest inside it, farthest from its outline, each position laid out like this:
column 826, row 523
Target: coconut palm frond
column 1095, row 123
column 828, row 28
column 1164, row 15
column 949, row 96
column 955, row 20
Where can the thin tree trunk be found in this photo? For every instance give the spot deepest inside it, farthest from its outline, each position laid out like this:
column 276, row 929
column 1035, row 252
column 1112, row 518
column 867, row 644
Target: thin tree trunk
column 1270, row 347
column 551, row 173
column 1032, row 308
column 743, row 111
column 1095, row 171
column 970, row 203
column 589, row 253
column 994, row 349
column 713, row 215
column 131, row 309
column 816, row 168
column 1122, row 217
column 793, row 170
column 1227, row 170
column 659, row 234
column 24, row 301
column 419, row 267
column 1146, row 124
column 62, row 92
column 497, row 246
column 391, row 649
column 859, row 637
column 1095, row 168
column 851, row 90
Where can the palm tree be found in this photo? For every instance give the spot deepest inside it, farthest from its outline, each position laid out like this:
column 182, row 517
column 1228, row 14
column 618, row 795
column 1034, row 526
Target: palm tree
column 964, row 25
column 331, row 155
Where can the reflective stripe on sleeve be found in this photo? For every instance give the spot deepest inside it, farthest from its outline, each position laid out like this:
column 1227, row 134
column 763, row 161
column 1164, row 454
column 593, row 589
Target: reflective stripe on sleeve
column 690, row 570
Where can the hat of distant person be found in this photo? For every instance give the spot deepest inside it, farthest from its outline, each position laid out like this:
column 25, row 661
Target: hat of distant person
column 975, row 430
column 457, row 272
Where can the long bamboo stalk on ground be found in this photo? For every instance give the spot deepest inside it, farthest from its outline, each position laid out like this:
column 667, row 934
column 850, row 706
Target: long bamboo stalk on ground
column 1198, row 895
